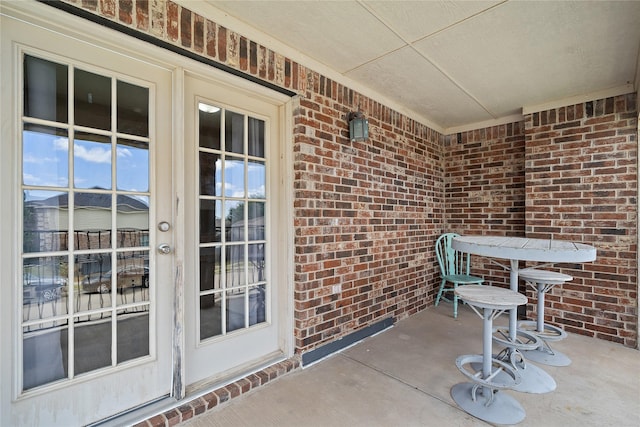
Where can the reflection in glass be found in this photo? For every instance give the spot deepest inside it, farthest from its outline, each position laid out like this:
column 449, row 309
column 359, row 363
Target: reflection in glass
column 235, row 309
column 256, row 137
column 92, row 100
column 209, row 126
column 92, row 220
column 45, row 89
column 257, row 304
column 210, row 262
column 45, row 221
column 232, row 216
column 92, row 342
column 92, row 161
column 255, row 227
column 210, row 315
column 93, row 276
column 133, row 335
column 133, row 277
column 132, row 221
column 257, row 175
column 44, row 287
column 256, row 263
column 234, row 177
column 210, row 174
column 44, row 355
column 235, row 266
column 234, row 220
column 234, row 132
column 210, row 221
column 133, row 109
column 45, row 156
column 132, row 165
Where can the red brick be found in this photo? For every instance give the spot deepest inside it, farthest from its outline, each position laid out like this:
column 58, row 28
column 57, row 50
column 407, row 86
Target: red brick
column 142, row 15
column 185, row 27
column 108, row 8
column 125, row 11
column 172, row 19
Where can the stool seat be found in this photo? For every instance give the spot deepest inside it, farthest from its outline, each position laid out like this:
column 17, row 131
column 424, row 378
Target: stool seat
column 490, row 297
column 543, row 276
column 542, row 281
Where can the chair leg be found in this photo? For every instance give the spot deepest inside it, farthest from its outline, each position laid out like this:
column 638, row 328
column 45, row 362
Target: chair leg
column 455, row 301
column 440, row 292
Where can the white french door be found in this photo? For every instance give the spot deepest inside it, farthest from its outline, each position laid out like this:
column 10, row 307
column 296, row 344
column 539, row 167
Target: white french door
column 85, row 297
column 233, row 283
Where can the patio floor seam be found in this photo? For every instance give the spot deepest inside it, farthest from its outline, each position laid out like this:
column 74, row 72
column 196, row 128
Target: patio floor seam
column 400, row 380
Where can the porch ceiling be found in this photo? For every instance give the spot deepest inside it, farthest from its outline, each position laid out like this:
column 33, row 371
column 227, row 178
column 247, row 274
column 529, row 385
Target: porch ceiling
column 453, row 64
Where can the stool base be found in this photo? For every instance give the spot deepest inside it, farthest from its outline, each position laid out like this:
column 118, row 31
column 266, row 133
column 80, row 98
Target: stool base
column 503, row 410
column 534, row 380
column 471, row 367
column 548, row 333
column 544, row 354
column 547, row 356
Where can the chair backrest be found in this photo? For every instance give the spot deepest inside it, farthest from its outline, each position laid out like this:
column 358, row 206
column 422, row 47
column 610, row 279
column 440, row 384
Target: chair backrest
column 450, row 260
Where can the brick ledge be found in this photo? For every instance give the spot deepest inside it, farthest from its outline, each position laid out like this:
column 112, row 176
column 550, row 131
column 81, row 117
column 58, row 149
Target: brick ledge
column 189, row 409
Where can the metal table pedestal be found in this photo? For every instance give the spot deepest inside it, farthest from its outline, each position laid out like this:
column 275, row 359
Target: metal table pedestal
column 482, row 397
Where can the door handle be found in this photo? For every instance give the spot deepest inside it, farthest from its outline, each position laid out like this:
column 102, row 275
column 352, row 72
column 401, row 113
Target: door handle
column 164, row 248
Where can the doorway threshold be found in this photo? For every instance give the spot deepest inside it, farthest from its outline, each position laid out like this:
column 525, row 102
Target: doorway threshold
column 204, row 395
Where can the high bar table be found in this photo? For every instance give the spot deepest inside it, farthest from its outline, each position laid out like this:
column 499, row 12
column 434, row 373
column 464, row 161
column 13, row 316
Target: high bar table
column 515, row 249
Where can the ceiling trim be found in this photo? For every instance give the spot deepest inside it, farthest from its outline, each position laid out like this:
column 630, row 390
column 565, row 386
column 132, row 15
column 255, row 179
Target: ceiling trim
column 485, row 124
column 579, row 99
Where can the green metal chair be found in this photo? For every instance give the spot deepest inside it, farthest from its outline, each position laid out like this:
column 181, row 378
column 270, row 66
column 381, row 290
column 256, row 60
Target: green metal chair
column 454, row 269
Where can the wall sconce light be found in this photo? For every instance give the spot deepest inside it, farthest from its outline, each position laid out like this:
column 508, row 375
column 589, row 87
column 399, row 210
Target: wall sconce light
column 358, row 126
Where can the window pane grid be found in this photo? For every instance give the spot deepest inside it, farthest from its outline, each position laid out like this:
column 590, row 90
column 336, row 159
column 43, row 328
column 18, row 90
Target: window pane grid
column 238, row 167
column 85, row 241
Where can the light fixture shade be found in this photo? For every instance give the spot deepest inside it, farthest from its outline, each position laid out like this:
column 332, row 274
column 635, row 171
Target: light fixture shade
column 358, row 127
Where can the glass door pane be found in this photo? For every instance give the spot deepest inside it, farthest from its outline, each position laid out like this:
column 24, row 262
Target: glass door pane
column 86, row 201
column 232, row 199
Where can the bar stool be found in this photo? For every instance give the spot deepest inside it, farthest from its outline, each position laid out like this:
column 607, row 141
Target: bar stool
column 495, row 407
column 542, row 281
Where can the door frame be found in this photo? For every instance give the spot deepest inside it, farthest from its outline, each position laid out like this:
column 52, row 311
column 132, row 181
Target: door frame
column 69, row 25
column 200, row 86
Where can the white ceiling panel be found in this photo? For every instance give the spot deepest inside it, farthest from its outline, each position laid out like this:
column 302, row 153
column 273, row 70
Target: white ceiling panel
column 433, row 94
column 453, row 64
column 324, row 30
column 530, row 53
column 417, row 19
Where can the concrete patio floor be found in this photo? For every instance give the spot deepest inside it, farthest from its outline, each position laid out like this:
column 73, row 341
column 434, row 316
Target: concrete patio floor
column 403, row 377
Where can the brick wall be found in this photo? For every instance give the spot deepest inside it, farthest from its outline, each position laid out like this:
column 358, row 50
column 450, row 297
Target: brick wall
column 581, row 184
column 366, row 215
column 485, row 190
